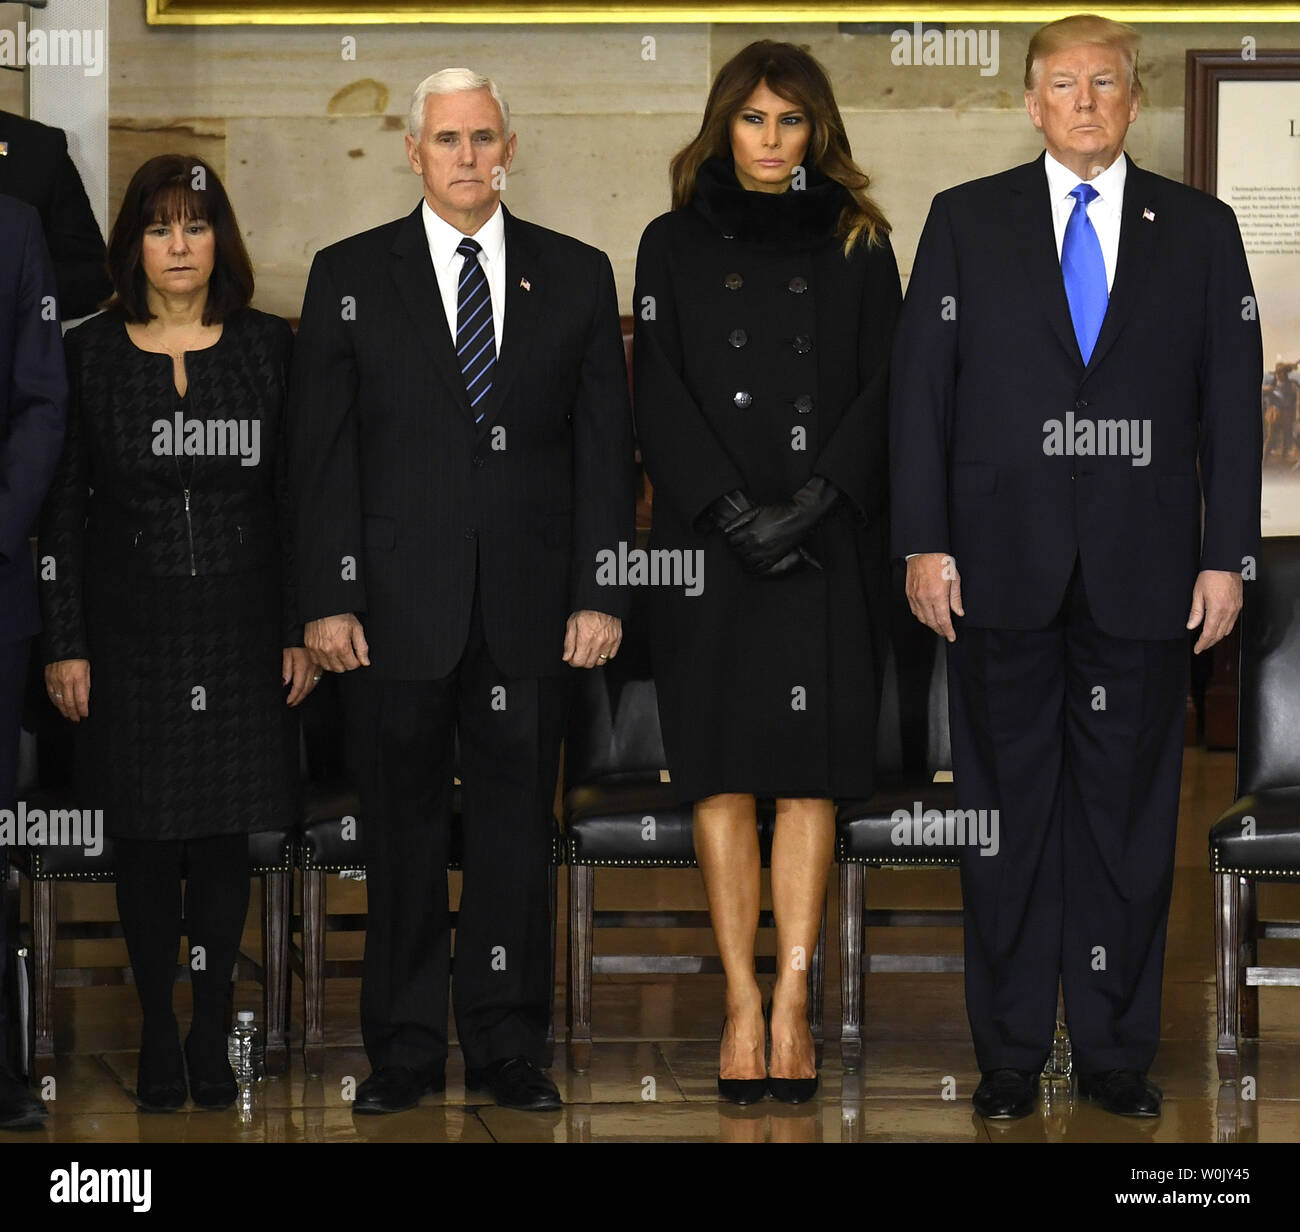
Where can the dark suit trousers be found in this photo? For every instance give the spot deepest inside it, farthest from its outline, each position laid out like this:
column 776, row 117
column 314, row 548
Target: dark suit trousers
column 13, row 676
column 402, row 736
column 1076, row 738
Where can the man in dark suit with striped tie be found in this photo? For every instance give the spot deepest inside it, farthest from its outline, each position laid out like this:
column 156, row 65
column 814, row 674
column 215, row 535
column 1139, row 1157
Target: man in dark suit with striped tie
column 1077, row 367
column 460, row 443
column 33, row 413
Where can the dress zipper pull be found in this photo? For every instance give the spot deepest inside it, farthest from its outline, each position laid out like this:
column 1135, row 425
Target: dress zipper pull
column 189, row 531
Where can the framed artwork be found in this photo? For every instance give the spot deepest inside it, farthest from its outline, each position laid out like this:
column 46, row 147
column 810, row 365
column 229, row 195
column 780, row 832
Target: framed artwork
column 1243, row 145
column 358, row 12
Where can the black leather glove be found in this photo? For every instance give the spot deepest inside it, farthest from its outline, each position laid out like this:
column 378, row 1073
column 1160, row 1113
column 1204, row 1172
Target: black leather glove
column 765, row 538
column 734, row 510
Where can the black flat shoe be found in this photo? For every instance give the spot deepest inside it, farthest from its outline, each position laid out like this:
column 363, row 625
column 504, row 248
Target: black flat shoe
column 1006, row 1094
column 515, row 1082
column 160, row 1074
column 19, row 1108
column 1125, row 1092
column 212, row 1081
column 395, row 1088
column 741, row 1090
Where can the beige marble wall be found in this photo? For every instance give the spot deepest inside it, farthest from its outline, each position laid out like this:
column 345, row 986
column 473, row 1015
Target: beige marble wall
column 310, row 142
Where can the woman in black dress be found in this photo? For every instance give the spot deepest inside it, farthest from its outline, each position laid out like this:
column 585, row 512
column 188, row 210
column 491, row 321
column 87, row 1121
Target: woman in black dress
column 765, row 307
column 169, row 633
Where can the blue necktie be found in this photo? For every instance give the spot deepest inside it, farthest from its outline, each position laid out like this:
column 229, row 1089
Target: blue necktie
column 1085, row 272
column 476, row 344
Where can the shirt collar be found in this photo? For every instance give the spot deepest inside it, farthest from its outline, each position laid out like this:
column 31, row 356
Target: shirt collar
column 1109, row 184
column 444, row 238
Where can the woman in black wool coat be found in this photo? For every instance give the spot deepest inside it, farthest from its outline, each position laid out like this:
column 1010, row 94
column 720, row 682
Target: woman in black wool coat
column 765, row 307
column 169, row 635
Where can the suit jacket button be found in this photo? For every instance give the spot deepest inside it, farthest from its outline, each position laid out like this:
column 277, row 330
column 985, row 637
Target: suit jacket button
column 742, row 398
column 479, row 461
column 802, row 344
column 1081, row 404
column 470, row 532
column 733, row 282
column 803, row 404
column 798, row 284
column 738, row 337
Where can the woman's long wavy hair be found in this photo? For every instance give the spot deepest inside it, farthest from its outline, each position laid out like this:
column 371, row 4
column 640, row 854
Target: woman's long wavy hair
column 793, row 74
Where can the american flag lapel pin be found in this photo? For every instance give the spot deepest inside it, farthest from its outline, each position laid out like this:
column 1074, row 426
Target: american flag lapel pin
column 527, row 286
column 1149, row 214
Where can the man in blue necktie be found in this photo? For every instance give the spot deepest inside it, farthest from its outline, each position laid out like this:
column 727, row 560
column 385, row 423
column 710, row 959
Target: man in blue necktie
column 1076, row 370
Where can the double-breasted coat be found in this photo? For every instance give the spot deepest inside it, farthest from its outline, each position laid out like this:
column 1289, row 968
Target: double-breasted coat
column 761, row 358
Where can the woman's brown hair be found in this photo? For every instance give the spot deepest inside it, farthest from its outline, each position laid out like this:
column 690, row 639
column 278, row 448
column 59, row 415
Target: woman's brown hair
column 793, row 74
column 166, row 189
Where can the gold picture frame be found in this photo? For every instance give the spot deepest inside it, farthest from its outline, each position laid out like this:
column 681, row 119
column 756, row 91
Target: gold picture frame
column 501, row 12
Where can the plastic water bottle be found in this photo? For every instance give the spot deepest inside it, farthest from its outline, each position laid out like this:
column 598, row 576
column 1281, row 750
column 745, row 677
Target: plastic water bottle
column 246, row 1050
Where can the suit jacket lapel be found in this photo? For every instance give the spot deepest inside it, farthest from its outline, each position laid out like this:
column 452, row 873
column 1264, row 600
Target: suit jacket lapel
column 1138, row 240
column 418, row 286
column 1031, row 216
column 525, row 289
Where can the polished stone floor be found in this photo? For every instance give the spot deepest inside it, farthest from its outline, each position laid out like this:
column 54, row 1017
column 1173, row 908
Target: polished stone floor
column 654, row 1061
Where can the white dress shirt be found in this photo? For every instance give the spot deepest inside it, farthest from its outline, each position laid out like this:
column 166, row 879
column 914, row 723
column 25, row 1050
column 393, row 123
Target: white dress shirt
column 1104, row 210
column 448, row 263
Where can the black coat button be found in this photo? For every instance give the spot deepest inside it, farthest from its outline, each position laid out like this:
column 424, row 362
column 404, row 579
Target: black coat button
column 733, row 282
column 742, row 398
column 738, row 337
column 470, row 532
column 479, row 461
column 798, row 284
column 803, row 404
column 1081, row 404
column 802, row 344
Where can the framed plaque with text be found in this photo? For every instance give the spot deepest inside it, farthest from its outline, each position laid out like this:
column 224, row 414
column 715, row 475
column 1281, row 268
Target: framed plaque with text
column 1243, row 145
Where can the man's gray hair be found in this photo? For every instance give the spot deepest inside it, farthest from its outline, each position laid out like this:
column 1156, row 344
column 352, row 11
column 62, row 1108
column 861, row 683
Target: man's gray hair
column 453, row 81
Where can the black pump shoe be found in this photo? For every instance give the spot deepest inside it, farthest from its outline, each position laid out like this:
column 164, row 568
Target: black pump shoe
column 788, row 1090
column 740, row 1090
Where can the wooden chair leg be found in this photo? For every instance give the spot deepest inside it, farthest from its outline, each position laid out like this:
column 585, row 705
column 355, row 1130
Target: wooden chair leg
column 817, row 991
column 1249, row 958
column 19, row 1034
column 548, row 1058
column 275, row 968
column 313, row 970
column 853, row 881
column 1227, row 974
column 44, row 928
column 582, row 884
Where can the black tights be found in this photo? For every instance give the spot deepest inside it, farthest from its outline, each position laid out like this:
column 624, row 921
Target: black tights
column 149, row 873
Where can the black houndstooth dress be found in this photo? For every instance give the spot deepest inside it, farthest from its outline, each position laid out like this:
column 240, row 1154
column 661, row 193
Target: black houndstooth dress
column 182, row 613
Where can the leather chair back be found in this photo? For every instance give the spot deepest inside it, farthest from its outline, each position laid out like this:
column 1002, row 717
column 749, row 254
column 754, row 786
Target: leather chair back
column 1268, row 703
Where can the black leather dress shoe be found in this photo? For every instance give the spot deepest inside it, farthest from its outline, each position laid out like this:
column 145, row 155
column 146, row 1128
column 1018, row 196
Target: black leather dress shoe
column 395, row 1088
column 1005, row 1094
column 19, row 1108
column 515, row 1083
column 1125, row 1092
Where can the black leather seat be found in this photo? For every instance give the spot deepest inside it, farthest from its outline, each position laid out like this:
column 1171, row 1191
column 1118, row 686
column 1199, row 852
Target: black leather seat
column 270, row 857
column 331, row 840
column 912, row 747
column 1258, row 837
column 619, row 813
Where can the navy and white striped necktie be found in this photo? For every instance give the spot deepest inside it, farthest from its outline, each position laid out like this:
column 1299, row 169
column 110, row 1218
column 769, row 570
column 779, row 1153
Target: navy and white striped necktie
column 476, row 346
